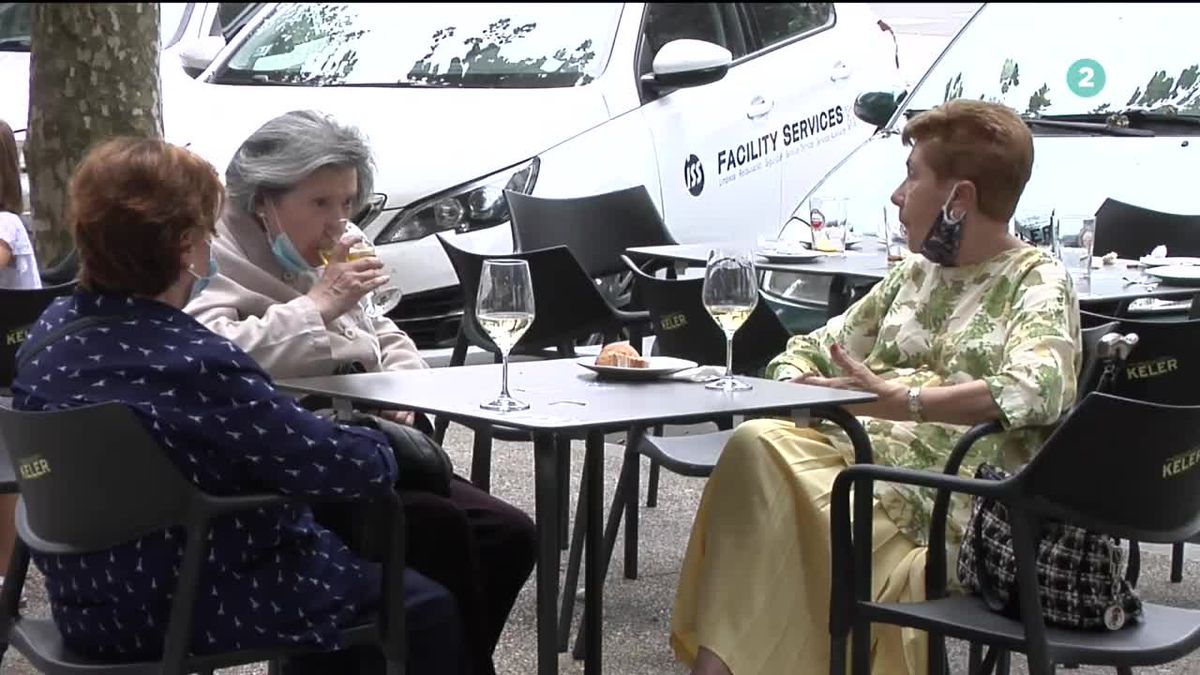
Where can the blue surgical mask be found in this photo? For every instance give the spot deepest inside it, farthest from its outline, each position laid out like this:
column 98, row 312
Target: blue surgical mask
column 944, row 238
column 284, row 250
column 202, row 281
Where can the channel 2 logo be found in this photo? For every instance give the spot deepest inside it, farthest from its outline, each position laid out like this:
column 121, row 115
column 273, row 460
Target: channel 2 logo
column 693, row 175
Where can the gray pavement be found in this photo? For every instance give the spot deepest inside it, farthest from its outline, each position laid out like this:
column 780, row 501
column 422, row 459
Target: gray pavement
column 637, row 613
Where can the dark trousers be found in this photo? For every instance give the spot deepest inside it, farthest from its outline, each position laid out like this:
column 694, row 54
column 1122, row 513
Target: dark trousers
column 433, row 631
column 479, row 548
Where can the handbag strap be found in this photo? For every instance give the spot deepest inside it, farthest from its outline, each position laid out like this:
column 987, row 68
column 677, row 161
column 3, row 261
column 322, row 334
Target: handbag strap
column 31, row 347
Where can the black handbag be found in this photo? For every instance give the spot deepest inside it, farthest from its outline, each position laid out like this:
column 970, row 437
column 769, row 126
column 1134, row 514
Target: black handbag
column 1081, row 574
column 423, row 463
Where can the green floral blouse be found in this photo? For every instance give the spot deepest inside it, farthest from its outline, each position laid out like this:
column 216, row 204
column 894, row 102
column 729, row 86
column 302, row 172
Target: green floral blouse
column 1012, row 321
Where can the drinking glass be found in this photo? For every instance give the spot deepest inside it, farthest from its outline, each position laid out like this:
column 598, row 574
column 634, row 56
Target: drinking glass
column 382, row 300
column 1080, row 231
column 504, row 309
column 895, row 239
column 827, row 216
column 729, row 294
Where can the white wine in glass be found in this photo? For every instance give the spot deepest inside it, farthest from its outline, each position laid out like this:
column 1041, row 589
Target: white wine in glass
column 504, row 309
column 382, row 300
column 730, row 294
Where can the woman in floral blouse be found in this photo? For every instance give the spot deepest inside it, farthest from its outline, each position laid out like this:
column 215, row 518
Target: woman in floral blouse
column 980, row 327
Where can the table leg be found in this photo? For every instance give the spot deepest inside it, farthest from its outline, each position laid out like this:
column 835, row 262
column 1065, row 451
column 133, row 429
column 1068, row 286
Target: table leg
column 838, row 296
column 546, row 487
column 593, row 595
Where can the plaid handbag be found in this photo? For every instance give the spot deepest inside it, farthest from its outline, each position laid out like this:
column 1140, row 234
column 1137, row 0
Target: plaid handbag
column 1081, row 580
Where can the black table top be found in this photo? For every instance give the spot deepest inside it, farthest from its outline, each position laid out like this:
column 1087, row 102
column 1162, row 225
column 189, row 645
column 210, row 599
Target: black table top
column 1108, row 283
column 563, row 396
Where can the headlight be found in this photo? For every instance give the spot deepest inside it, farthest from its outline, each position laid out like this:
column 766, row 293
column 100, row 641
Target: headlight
column 472, row 206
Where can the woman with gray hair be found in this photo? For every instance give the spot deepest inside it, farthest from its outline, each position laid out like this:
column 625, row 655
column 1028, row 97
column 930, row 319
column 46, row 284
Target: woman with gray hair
column 290, row 188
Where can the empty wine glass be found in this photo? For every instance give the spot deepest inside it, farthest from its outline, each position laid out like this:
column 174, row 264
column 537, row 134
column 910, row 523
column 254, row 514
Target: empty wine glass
column 504, row 309
column 382, row 300
column 730, row 293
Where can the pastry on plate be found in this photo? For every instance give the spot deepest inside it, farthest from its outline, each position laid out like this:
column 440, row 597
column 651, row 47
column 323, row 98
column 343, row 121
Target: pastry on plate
column 621, row 355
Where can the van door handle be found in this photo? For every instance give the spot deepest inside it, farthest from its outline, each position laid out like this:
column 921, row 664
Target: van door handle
column 840, row 72
column 759, row 106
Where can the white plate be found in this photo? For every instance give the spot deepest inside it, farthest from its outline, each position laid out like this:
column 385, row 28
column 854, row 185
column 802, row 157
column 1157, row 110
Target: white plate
column 1160, row 262
column 1181, row 275
column 791, row 256
column 660, row 366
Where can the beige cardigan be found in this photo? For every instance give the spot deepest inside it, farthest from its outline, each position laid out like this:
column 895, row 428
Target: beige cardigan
column 263, row 310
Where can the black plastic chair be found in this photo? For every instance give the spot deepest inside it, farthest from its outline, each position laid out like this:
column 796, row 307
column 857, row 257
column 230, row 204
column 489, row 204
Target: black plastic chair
column 1084, row 474
column 92, row 478
column 1132, row 231
column 19, row 309
column 1165, row 370
column 597, row 228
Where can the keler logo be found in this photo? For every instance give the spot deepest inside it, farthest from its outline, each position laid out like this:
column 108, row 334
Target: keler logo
column 693, row 175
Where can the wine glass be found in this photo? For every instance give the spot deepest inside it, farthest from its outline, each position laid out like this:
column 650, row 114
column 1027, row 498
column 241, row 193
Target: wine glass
column 730, row 293
column 382, row 300
column 504, row 309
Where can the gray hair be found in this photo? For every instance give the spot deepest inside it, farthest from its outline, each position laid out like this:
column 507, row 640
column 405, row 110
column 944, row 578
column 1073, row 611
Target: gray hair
column 287, row 149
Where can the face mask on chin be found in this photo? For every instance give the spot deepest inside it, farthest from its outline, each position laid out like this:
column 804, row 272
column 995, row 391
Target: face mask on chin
column 942, row 242
column 202, row 280
column 282, row 248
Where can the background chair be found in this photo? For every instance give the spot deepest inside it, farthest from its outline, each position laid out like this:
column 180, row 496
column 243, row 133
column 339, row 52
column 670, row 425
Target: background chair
column 1084, row 474
column 1132, row 231
column 22, row 307
column 597, row 229
column 101, row 481
column 1164, row 369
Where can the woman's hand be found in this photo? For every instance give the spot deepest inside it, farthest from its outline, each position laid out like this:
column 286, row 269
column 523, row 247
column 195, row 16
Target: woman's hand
column 405, row 417
column 893, row 396
column 344, row 283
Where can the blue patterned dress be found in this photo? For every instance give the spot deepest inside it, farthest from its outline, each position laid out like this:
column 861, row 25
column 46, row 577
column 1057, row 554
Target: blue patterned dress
column 274, row 576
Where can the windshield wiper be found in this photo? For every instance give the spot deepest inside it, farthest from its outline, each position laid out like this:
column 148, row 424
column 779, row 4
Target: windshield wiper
column 1086, row 122
column 19, row 43
column 1167, row 116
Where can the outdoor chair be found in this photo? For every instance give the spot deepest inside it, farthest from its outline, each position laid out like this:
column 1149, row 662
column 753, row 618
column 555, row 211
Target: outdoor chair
column 1165, row 370
column 1085, row 475
column 1133, row 231
column 568, row 307
column 22, row 307
column 597, row 229
column 92, row 478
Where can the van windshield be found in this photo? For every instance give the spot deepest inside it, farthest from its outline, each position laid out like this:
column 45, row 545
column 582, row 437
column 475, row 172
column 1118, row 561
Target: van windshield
column 471, row 45
column 1072, row 60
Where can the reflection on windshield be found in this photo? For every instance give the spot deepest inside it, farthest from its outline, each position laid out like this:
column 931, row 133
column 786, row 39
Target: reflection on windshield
column 421, row 45
column 1114, row 57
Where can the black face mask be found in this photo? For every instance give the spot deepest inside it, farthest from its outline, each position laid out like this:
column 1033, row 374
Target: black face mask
column 944, row 238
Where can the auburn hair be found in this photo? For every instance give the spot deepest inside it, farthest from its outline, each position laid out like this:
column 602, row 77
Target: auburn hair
column 129, row 205
column 10, row 172
column 985, row 143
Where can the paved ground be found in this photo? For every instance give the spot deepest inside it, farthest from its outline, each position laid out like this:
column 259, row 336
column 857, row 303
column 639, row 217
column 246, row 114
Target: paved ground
column 637, row 612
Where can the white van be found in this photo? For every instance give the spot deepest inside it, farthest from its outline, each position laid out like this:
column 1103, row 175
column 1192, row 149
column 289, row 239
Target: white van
column 1113, row 102
column 727, row 129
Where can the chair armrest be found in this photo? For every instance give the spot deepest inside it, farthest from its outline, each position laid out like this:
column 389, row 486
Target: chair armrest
column 219, row 505
column 391, row 616
column 935, row 560
column 852, row 565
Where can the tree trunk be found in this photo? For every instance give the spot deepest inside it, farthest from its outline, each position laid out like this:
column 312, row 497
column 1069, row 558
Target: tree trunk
column 93, row 74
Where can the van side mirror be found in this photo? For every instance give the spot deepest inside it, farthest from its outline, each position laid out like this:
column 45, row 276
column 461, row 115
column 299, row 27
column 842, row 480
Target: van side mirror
column 197, row 54
column 877, row 107
column 687, row 63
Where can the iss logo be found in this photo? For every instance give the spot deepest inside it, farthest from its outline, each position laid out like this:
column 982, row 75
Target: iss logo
column 693, row 175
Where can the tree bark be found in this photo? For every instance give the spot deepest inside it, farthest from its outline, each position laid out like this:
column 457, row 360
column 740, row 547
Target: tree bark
column 93, row 74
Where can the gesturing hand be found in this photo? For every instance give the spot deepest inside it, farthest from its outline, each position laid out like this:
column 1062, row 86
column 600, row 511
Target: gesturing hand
column 344, row 283
column 892, row 395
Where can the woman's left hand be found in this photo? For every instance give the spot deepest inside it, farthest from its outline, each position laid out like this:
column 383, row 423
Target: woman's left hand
column 893, row 396
column 405, row 417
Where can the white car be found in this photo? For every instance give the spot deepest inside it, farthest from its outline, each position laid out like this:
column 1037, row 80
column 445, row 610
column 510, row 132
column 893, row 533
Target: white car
column 726, row 112
column 1107, row 120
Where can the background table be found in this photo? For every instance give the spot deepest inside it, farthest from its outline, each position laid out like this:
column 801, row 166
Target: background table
column 566, row 398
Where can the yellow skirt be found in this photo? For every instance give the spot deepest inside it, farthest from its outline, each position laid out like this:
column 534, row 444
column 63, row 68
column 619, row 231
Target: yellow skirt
column 754, row 588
